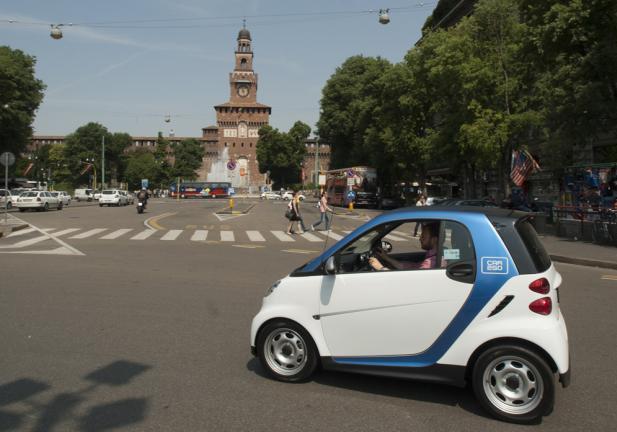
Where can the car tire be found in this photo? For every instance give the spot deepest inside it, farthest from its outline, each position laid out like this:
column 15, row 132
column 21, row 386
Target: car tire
column 22, row 210
column 46, row 207
column 286, row 351
column 514, row 384
column 60, row 206
column 9, row 205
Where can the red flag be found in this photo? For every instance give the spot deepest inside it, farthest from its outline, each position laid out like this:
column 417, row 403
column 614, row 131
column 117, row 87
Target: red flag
column 86, row 169
column 523, row 165
column 28, row 168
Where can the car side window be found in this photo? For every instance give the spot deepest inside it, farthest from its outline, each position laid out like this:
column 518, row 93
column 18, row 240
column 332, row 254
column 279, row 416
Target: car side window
column 456, row 244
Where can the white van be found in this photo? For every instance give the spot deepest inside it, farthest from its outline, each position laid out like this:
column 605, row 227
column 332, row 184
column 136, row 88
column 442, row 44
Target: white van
column 83, row 195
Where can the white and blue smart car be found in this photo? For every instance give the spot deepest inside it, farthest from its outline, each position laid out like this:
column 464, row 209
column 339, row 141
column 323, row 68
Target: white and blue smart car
column 476, row 303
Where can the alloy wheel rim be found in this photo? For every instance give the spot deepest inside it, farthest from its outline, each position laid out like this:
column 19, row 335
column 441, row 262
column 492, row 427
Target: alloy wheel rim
column 513, row 385
column 285, row 351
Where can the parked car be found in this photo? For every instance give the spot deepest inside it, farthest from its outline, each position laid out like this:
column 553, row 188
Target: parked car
column 96, row 194
column 63, row 196
column 112, row 197
column 433, row 200
column 478, row 304
column 270, row 196
column 7, row 199
column 83, row 195
column 38, row 200
column 287, row 195
column 388, row 201
column 366, row 199
column 130, row 198
column 466, row 202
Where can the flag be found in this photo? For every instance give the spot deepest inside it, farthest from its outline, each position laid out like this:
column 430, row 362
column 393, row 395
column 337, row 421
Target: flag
column 86, row 168
column 523, row 165
column 28, row 168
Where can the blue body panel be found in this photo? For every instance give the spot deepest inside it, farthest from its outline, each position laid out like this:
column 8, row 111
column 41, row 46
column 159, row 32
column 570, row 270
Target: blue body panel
column 494, row 268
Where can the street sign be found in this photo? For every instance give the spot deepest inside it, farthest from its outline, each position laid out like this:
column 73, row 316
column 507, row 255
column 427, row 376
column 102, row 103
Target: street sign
column 351, row 181
column 144, row 183
column 231, row 191
column 242, row 172
column 231, row 165
column 7, row 159
column 350, row 173
column 351, row 195
column 322, row 179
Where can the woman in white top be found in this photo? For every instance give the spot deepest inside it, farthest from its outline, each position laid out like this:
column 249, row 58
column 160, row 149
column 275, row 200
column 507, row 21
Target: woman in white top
column 323, row 211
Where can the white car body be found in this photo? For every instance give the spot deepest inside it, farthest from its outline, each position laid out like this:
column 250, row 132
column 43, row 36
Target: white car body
column 270, row 196
column 112, row 197
column 289, row 195
column 491, row 292
column 83, row 195
column 7, row 199
column 63, row 196
column 38, row 200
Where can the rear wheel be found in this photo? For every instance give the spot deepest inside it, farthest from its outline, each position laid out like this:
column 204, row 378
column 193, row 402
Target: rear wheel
column 514, row 384
column 46, row 207
column 22, row 209
column 287, row 351
column 9, row 205
column 60, row 206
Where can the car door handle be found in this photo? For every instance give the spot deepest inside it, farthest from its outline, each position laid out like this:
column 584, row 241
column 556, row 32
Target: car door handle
column 461, row 270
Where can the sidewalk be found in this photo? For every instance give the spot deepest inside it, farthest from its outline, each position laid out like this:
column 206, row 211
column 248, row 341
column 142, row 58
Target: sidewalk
column 579, row 252
column 13, row 224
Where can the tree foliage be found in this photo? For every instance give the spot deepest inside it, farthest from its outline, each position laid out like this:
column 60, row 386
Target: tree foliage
column 20, row 96
column 188, row 156
column 282, row 153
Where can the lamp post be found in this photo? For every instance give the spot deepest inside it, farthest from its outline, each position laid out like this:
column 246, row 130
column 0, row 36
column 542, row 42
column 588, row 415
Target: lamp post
column 103, row 163
column 317, row 161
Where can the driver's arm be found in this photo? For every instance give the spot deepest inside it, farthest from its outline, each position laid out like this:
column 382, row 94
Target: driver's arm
column 385, row 263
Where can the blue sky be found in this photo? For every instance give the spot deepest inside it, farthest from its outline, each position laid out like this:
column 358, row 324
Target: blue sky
column 130, row 75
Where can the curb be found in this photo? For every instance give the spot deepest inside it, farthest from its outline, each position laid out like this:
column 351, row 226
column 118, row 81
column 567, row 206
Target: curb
column 228, row 210
column 584, row 262
column 9, row 229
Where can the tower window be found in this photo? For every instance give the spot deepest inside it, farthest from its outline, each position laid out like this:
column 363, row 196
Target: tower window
column 242, row 145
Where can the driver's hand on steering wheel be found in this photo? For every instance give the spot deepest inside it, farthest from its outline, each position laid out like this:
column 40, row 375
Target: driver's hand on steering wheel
column 374, row 263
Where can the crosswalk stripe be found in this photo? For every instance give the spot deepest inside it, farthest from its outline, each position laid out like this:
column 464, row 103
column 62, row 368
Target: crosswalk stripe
column 116, row 234
column 89, row 233
column 227, row 236
column 66, row 231
column 311, row 237
column 143, row 235
column 395, row 238
column 282, row 236
column 21, row 232
column 199, row 235
column 172, row 235
column 331, row 235
column 25, row 243
column 255, row 236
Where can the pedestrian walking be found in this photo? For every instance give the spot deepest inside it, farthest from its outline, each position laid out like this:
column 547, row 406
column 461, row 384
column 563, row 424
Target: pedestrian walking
column 323, row 212
column 294, row 215
column 420, row 203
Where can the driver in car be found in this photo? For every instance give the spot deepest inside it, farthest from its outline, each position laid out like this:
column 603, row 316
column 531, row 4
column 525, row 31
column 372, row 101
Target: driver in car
column 428, row 241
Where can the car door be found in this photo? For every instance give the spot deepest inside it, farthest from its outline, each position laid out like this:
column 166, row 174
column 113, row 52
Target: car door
column 399, row 312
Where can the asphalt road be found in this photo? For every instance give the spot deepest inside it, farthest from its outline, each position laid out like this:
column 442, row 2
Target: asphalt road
column 110, row 330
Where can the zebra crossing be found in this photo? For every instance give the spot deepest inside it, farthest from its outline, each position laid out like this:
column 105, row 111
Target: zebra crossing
column 191, row 235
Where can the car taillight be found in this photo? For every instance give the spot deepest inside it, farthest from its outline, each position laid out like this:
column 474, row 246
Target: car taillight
column 38, row 199
column 542, row 306
column 541, row 286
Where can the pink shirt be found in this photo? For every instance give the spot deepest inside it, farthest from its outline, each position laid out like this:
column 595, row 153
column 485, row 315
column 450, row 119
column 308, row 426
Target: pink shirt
column 430, row 262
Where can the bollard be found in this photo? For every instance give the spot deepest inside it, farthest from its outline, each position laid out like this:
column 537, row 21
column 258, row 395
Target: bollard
column 350, row 205
column 231, row 204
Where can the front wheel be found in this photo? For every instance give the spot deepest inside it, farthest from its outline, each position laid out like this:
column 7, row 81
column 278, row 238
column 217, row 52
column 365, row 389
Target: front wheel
column 287, row 351
column 514, row 384
column 60, row 206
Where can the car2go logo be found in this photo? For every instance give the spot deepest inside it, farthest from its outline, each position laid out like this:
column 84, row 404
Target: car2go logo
column 494, row 265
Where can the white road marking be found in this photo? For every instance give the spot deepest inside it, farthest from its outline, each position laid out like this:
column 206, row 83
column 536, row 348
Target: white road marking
column 199, row 235
column 21, row 232
column 89, row 233
column 25, row 243
column 114, row 235
column 171, row 235
column 282, row 236
column 227, row 236
column 66, row 231
column 331, row 235
column 311, row 237
column 143, row 235
column 255, row 236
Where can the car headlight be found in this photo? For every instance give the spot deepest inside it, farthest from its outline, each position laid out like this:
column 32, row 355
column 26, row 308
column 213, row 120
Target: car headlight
column 272, row 288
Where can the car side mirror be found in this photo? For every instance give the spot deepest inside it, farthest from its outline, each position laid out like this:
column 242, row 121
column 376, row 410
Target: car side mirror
column 330, row 267
column 386, row 246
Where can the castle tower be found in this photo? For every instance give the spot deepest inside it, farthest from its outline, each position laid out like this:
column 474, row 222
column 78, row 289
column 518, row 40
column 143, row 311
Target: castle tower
column 238, row 122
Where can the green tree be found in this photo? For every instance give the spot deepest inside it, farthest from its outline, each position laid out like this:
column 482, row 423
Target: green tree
column 140, row 164
column 85, row 144
column 348, row 104
column 59, row 169
column 115, row 146
column 164, row 174
column 20, row 96
column 188, row 155
column 282, row 153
